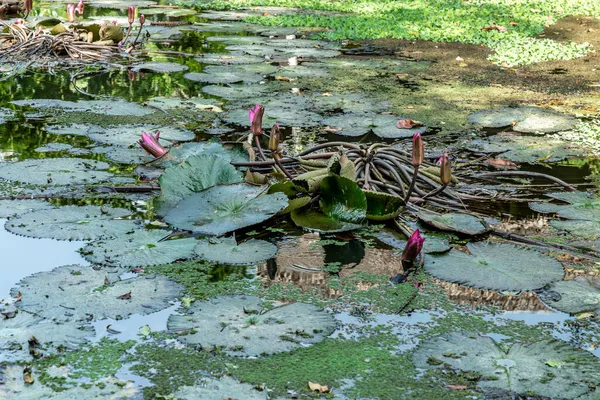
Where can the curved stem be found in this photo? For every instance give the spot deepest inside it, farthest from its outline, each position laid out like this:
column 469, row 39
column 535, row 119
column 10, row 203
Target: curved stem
column 260, row 150
column 412, row 184
column 527, row 173
column 329, row 144
column 435, row 192
column 280, row 165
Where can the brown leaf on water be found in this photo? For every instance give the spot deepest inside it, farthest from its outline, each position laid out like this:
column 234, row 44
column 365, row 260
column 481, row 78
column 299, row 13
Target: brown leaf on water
column 33, row 342
column 456, row 387
column 106, row 281
column 19, row 296
column 330, row 129
column 27, row 378
column 126, row 296
column 500, row 163
column 9, row 314
column 408, row 124
column 283, row 78
column 315, row 387
column 498, row 28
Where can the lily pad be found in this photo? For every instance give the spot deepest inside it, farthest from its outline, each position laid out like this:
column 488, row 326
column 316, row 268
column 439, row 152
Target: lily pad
column 53, row 147
column 168, row 12
column 525, row 368
column 383, row 125
column 104, row 107
column 579, row 295
column 583, row 206
column 524, row 119
column 284, row 115
column 316, row 221
column 271, row 51
column 237, row 39
column 496, row 266
column 342, row 200
column 228, row 59
column 349, row 103
column 433, row 242
column 383, row 206
column 5, row 115
column 224, row 76
column 55, row 171
column 139, row 248
column 195, row 174
column 73, row 223
column 128, row 135
column 243, row 328
column 454, row 222
column 222, row 209
column 9, row 208
column 235, row 91
column 227, row 251
column 160, row 67
column 178, row 154
column 585, row 229
column 15, row 333
column 76, row 293
column 219, row 389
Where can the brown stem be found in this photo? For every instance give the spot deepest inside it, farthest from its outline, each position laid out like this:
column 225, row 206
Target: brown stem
column 434, row 192
column 527, row 173
column 412, row 184
column 329, row 144
column 258, row 146
column 280, row 165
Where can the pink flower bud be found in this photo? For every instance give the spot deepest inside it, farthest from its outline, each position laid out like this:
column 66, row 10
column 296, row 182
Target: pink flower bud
column 413, row 247
column 255, row 115
column 131, row 14
column 151, row 145
column 79, row 8
column 71, row 13
column 417, row 150
column 445, row 169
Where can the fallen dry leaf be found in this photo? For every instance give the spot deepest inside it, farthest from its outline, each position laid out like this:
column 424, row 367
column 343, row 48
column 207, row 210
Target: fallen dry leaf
column 126, row 296
column 498, row 28
column 500, row 163
column 408, row 124
column 283, row 78
column 9, row 314
column 315, row 387
column 456, row 387
column 27, row 378
column 19, row 296
column 330, row 129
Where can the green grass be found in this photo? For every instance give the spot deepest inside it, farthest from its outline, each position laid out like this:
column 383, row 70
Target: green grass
column 440, row 21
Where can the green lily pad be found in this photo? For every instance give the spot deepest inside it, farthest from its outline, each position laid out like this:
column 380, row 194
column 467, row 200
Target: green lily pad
column 178, row 154
column 434, row 243
column 53, row 147
column 224, row 76
column 350, row 124
column 585, row 229
column 454, row 222
column 225, row 208
column 219, row 389
column 237, row 39
column 385, row 127
column 300, row 71
column 359, row 123
column 342, row 200
column 227, row 251
column 525, row 119
column 295, row 204
column 349, row 103
column 579, row 295
column 316, row 221
column 124, row 155
column 272, row 51
column 10, row 208
column 139, row 248
column 238, row 324
column 383, row 206
column 228, row 59
column 195, row 174
column 583, row 206
column 128, row 135
column 76, row 293
column 160, row 67
column 15, row 332
column 283, row 115
column 55, row 171
column 524, row 368
column 496, row 266
column 235, row 91
column 103, row 107
column 73, row 223
column 168, row 12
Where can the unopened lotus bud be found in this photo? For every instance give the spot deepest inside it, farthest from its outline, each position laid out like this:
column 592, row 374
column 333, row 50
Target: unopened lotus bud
column 274, row 138
column 417, row 150
column 71, row 13
column 413, row 247
column 142, row 19
column 131, row 14
column 445, row 169
column 255, row 115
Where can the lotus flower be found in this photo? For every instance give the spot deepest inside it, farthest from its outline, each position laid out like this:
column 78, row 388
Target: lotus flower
column 255, row 115
column 274, row 138
column 417, row 150
column 445, row 169
column 131, row 14
column 71, row 13
column 413, row 247
column 79, row 8
column 151, row 145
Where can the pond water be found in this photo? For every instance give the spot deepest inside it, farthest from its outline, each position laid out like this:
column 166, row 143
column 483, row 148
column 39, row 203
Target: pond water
column 125, row 303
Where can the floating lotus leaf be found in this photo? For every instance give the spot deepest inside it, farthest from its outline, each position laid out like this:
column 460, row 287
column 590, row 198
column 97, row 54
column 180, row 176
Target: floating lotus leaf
column 219, row 389
column 224, row 76
column 454, row 222
column 549, row 368
column 350, row 103
column 433, row 243
column 524, row 119
column 583, row 206
column 228, row 59
column 15, row 332
column 76, row 293
column 527, row 149
column 314, row 220
column 161, row 67
column 124, row 155
column 178, row 154
column 283, row 101
column 581, row 294
column 238, row 324
column 9, row 208
column 385, row 127
column 168, row 12
column 14, row 387
column 222, row 209
column 73, row 223
column 342, row 200
column 236, row 91
column 194, row 103
column 586, row 229
column 295, row 204
column 128, row 135
column 237, row 39
column 139, row 249
column 379, row 64
column 302, row 43
column 71, row 129
column 195, row 174
column 271, row 51
column 284, row 115
column 300, row 71
column 55, row 171
column 53, row 147
column 496, row 266
column 227, row 251
column 350, row 124
column 104, row 107
column 262, row 68
column 383, row 206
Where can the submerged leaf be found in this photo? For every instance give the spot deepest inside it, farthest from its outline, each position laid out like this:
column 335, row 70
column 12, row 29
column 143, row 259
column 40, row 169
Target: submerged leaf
column 454, row 222
column 227, row 251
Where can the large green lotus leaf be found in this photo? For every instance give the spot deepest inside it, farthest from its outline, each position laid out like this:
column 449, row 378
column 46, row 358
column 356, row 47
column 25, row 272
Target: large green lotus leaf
column 314, row 220
column 14, row 387
column 176, row 103
column 227, row 251
column 219, row 389
column 583, row 206
column 178, row 154
column 235, row 92
column 280, row 51
column 283, row 101
column 295, row 204
column 496, row 266
column 434, row 243
column 384, row 126
column 128, row 135
column 383, row 206
column 549, row 368
column 161, row 67
column 75, row 293
column 524, row 119
column 10, row 208
column 73, row 223
column 342, row 166
column 55, row 171
column 454, row 222
column 350, row 124
column 53, row 337
column 104, row 107
column 228, row 59
column 224, row 76
column 240, row 325
column 585, row 229
column 342, row 200
column 581, row 294
column 194, row 175
column 527, row 149
column 124, row 155
column 225, row 208
column 139, row 248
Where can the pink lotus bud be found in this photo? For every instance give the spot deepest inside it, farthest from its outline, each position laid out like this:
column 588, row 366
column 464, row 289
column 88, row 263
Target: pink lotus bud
column 131, row 14
column 151, row 145
column 255, row 115
column 413, row 247
column 445, row 169
column 71, row 13
column 142, row 19
column 417, row 150
column 79, row 8
column 28, row 5
column 19, row 22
